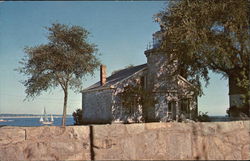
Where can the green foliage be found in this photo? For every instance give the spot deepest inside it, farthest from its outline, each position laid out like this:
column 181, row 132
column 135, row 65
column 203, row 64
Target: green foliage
column 131, row 96
column 208, row 35
column 237, row 111
column 78, row 117
column 203, row 117
column 245, row 84
column 64, row 61
column 135, row 95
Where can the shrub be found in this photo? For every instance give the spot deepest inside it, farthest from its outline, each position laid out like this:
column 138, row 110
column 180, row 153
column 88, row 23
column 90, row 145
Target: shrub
column 235, row 111
column 78, row 117
column 203, row 117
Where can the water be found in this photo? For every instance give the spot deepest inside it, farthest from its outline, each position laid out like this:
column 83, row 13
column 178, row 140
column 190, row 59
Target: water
column 34, row 122
column 69, row 121
column 219, row 118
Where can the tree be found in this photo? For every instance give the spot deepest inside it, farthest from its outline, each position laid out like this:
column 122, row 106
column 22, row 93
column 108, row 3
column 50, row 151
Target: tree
column 64, row 61
column 209, row 35
column 135, row 95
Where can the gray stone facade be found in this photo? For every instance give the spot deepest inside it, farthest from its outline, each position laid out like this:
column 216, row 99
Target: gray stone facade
column 104, row 105
column 174, row 96
column 96, row 106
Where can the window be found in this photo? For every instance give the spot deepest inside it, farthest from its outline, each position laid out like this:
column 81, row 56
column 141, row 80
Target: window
column 185, row 107
column 170, row 106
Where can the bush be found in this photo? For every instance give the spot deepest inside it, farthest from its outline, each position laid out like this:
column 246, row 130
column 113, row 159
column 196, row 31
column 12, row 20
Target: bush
column 203, row 117
column 78, row 117
column 235, row 111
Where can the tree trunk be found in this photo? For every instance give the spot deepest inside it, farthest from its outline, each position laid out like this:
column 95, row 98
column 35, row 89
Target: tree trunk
column 65, row 107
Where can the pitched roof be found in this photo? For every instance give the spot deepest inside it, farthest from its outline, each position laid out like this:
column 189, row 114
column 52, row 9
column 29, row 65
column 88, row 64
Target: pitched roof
column 117, row 77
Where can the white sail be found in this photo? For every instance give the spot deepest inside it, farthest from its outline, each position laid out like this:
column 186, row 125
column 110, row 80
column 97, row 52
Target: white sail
column 45, row 115
column 45, row 119
column 41, row 119
column 51, row 118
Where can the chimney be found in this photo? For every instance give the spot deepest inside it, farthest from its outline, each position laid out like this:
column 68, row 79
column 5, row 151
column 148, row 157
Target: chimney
column 103, row 74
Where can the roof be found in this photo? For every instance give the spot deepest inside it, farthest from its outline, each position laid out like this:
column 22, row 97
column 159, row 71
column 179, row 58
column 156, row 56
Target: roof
column 116, row 77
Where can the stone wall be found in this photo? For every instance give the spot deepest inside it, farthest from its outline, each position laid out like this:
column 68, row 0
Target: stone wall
column 167, row 86
column 97, row 104
column 166, row 141
column 45, row 143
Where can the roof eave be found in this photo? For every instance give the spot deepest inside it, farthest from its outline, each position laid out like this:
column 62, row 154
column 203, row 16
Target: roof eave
column 97, row 89
column 185, row 80
column 114, row 85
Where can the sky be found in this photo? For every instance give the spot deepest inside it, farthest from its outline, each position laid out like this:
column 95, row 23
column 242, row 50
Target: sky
column 121, row 30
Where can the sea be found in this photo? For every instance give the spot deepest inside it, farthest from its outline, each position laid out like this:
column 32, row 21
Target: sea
column 69, row 121
column 34, row 122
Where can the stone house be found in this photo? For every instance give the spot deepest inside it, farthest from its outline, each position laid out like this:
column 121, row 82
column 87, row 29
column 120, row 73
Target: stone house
column 173, row 95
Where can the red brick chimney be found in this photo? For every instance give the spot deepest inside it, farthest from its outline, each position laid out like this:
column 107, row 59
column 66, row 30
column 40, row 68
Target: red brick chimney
column 103, row 74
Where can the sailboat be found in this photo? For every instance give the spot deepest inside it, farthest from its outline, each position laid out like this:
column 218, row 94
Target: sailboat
column 1, row 120
column 45, row 119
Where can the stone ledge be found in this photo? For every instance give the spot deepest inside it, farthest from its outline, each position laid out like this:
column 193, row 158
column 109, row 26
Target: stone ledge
column 11, row 135
column 164, row 141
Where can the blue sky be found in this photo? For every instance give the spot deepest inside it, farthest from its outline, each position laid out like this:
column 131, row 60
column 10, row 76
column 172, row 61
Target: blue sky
column 121, row 30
